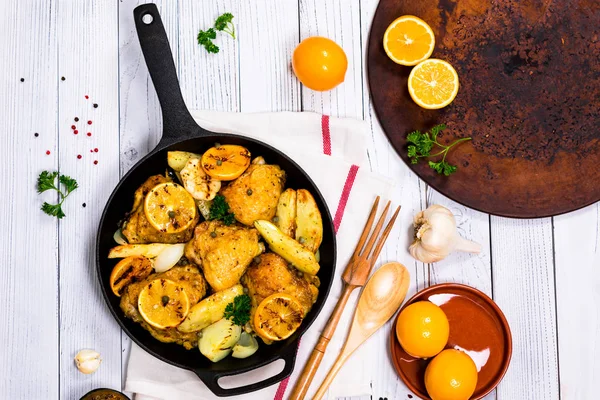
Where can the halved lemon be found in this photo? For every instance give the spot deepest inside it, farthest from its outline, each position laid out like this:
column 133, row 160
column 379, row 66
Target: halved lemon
column 433, row 84
column 226, row 162
column 278, row 316
column 170, row 208
column 408, row 40
column 163, row 304
column 129, row 270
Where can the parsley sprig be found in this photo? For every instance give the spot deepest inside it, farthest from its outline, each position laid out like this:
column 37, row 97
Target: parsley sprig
column 47, row 181
column 238, row 311
column 219, row 209
column 223, row 24
column 422, row 144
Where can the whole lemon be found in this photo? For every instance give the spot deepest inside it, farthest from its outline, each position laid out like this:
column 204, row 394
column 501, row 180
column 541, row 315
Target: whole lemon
column 319, row 63
column 422, row 329
column 451, row 375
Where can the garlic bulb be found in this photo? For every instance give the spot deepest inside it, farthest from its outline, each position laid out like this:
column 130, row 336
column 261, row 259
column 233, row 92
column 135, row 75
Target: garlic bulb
column 436, row 236
column 87, row 361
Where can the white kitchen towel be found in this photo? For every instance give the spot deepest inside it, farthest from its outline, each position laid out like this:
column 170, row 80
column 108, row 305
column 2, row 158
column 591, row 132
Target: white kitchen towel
column 332, row 151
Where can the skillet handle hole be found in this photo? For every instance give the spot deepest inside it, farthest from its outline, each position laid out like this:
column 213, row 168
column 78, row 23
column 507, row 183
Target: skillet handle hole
column 147, row 18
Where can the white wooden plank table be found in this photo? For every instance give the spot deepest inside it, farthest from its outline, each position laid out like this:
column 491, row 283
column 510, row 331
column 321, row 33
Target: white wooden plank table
column 544, row 274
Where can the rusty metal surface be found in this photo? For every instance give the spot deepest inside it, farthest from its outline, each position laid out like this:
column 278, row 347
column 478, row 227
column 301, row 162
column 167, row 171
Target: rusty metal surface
column 530, row 98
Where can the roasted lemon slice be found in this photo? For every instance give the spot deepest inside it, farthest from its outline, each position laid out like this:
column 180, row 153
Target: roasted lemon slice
column 129, row 270
column 163, row 304
column 226, row 162
column 433, row 84
column 170, row 208
column 278, row 316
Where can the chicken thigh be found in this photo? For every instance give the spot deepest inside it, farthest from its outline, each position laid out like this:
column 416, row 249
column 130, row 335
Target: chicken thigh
column 224, row 252
column 273, row 275
column 254, row 195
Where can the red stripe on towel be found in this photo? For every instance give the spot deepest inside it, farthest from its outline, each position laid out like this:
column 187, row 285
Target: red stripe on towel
column 326, row 135
column 337, row 220
column 339, row 213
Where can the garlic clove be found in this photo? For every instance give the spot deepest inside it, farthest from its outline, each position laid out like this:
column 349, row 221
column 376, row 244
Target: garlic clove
column 436, row 235
column 87, row 361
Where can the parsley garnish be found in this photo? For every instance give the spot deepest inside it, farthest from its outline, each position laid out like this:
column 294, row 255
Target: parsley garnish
column 46, row 181
column 223, row 24
column 422, row 144
column 238, row 311
column 219, row 209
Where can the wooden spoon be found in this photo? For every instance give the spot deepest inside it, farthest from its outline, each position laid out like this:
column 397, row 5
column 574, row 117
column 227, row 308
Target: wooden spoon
column 383, row 294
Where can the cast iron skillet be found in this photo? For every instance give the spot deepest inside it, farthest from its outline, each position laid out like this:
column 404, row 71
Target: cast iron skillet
column 180, row 132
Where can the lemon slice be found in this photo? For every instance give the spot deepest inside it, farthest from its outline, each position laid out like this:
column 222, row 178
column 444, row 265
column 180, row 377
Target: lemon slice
column 278, row 316
column 129, row 270
column 163, row 304
column 408, row 40
column 226, row 162
column 170, row 208
column 433, row 84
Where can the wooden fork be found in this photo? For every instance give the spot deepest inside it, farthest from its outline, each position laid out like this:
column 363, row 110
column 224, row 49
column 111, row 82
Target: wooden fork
column 356, row 274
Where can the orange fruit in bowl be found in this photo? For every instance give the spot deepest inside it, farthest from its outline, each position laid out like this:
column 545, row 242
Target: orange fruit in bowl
column 408, row 40
column 319, row 63
column 422, row 329
column 451, row 375
column 433, row 84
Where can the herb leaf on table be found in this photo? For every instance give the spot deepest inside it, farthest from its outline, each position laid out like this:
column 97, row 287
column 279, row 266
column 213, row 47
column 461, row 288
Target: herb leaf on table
column 421, row 145
column 222, row 24
column 47, row 181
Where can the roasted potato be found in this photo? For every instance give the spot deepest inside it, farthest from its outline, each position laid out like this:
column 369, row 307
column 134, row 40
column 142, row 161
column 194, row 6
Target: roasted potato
column 147, row 250
column 209, row 310
column 285, row 215
column 218, row 339
column 309, row 224
column 289, row 249
column 178, row 159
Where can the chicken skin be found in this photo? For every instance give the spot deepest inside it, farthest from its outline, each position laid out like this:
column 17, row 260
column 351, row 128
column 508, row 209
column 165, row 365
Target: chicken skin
column 273, row 275
column 137, row 228
column 224, row 252
column 194, row 285
column 254, row 195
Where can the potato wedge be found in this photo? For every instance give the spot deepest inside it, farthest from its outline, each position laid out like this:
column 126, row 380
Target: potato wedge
column 309, row 224
column 209, row 310
column 285, row 215
column 147, row 250
column 178, row 159
column 291, row 251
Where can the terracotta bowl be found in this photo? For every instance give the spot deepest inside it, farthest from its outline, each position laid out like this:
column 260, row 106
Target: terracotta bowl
column 477, row 326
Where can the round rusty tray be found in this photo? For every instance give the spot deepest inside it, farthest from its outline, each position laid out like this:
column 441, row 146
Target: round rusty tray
column 530, row 98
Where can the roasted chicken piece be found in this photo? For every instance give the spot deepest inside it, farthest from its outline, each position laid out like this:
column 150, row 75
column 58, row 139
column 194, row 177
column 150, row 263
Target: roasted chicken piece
column 194, row 285
column 273, row 275
column 224, row 252
column 254, row 195
column 137, row 228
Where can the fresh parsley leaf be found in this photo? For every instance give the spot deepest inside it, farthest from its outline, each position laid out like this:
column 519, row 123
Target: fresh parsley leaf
column 47, row 181
column 224, row 24
column 219, row 209
column 205, row 39
column 238, row 311
column 421, row 145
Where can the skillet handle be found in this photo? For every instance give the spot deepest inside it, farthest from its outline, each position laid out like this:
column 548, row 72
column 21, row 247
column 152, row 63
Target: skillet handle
column 211, row 379
column 177, row 121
